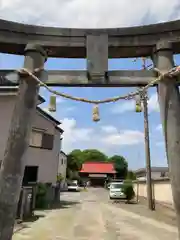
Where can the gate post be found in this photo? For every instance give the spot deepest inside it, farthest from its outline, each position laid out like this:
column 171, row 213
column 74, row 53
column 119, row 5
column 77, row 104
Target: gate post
column 169, row 101
column 18, row 141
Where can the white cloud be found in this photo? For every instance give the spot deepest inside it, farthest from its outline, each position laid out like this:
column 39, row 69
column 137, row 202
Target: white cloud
column 125, row 137
column 74, row 135
column 112, row 136
column 159, row 127
column 85, row 13
column 130, row 105
column 153, row 104
column 109, row 129
column 102, row 138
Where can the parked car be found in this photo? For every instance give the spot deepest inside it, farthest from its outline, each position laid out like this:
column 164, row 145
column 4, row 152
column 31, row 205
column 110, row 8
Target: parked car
column 108, row 186
column 116, row 191
column 73, row 187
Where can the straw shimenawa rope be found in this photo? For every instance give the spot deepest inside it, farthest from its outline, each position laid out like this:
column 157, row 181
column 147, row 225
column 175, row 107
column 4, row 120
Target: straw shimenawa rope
column 172, row 73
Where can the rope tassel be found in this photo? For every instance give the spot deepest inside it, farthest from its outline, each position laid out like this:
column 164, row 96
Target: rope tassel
column 52, row 104
column 96, row 117
column 138, row 103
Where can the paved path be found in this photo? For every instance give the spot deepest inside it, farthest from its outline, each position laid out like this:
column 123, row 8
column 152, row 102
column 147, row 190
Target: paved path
column 89, row 216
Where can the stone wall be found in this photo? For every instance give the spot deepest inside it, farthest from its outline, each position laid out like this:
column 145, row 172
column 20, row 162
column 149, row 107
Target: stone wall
column 161, row 190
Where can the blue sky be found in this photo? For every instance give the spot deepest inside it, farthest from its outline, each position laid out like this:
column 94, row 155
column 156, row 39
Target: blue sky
column 120, row 130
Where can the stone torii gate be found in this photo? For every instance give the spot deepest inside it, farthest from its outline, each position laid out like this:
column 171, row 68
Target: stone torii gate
column 159, row 41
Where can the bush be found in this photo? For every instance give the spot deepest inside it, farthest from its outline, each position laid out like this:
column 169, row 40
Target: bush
column 41, row 201
column 128, row 190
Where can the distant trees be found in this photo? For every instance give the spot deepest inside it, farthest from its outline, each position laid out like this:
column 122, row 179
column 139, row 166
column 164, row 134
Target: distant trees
column 76, row 158
column 120, row 165
column 131, row 175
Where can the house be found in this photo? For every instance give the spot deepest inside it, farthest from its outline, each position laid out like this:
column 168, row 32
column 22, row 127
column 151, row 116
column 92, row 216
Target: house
column 42, row 156
column 62, row 167
column 97, row 172
column 156, row 173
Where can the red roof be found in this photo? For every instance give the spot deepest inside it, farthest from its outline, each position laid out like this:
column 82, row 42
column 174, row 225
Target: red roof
column 97, row 167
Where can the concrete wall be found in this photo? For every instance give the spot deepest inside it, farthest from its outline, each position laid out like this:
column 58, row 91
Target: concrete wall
column 46, row 160
column 162, row 190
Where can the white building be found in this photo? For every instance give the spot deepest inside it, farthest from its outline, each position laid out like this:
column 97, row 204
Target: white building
column 41, row 159
column 156, row 173
column 62, row 167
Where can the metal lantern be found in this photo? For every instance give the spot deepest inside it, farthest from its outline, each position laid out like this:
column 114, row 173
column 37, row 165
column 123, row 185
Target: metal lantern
column 138, row 103
column 52, row 104
column 96, row 117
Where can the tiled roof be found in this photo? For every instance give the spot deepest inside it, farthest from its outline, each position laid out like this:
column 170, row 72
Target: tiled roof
column 153, row 169
column 97, row 167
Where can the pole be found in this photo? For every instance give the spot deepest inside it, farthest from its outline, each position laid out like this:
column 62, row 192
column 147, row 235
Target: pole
column 18, row 141
column 169, row 101
column 147, row 153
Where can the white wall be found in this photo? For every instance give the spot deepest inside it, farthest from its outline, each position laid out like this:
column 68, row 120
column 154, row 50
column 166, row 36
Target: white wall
column 162, row 190
column 62, row 165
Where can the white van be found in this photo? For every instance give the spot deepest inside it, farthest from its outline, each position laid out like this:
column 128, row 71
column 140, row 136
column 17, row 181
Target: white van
column 115, row 191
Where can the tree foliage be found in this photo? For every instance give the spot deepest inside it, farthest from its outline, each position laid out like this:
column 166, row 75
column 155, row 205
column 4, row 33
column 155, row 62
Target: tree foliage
column 93, row 155
column 128, row 190
column 120, row 164
column 73, row 161
column 131, row 175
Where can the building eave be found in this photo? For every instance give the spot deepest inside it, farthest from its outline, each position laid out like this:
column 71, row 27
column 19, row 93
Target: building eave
column 48, row 116
column 63, row 153
column 12, row 91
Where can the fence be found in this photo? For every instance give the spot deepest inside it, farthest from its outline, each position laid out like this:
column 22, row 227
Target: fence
column 26, row 204
column 161, row 190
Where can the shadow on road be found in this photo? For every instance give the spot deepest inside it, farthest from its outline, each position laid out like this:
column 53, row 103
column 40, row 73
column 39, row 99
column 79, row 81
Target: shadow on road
column 34, row 218
column 64, row 204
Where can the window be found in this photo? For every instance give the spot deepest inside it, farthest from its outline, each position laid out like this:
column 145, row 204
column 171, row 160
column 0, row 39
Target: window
column 62, row 161
column 41, row 139
column 47, row 141
column 36, row 138
column 163, row 174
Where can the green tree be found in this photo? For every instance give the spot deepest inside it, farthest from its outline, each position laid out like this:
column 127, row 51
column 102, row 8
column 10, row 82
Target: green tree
column 93, row 155
column 120, row 164
column 128, row 190
column 131, row 175
column 77, row 153
column 73, row 161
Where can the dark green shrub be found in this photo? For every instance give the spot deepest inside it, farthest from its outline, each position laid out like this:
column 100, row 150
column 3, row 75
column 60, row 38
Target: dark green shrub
column 41, row 192
column 128, row 190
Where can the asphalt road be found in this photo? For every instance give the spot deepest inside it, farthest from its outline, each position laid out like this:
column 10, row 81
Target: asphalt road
column 90, row 216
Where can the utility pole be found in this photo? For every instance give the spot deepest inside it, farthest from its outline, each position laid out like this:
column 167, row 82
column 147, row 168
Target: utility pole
column 144, row 99
column 147, row 153
column 13, row 164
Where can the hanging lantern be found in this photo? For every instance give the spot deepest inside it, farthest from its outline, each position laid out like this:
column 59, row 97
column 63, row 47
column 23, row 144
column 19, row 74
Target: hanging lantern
column 52, row 104
column 96, row 117
column 138, row 103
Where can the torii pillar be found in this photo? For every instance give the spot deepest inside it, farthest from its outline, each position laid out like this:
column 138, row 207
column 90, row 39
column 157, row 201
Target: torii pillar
column 169, row 102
